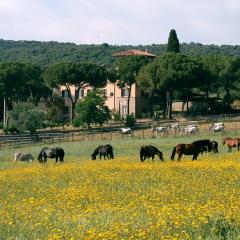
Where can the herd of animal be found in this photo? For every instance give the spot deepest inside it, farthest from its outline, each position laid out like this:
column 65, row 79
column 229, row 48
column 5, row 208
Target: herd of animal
column 146, row 151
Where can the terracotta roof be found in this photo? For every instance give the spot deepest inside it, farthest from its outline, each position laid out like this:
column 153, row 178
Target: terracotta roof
column 134, row 52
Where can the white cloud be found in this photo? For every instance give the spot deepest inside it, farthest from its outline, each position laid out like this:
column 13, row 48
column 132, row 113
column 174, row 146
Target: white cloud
column 122, row 21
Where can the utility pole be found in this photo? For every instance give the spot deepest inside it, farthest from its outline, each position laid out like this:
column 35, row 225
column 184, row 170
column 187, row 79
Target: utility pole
column 4, row 111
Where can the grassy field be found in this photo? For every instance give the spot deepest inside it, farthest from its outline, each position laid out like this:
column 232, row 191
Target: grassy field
column 121, row 198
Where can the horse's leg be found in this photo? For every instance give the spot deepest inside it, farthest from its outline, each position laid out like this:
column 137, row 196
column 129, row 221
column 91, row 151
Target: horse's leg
column 195, row 157
column 45, row 159
column 179, row 157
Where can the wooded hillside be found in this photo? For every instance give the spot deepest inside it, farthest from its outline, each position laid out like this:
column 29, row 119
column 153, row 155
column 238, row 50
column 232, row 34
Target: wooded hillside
column 45, row 53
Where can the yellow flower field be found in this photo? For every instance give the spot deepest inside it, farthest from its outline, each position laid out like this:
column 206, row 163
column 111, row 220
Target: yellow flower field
column 122, row 199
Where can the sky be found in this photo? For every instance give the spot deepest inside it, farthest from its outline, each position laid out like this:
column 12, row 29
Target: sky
column 121, row 22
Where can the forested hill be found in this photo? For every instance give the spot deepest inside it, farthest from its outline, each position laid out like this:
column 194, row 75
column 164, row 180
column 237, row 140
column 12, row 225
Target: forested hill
column 45, row 53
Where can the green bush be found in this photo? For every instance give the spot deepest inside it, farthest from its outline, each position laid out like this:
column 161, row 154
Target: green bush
column 130, row 120
column 25, row 117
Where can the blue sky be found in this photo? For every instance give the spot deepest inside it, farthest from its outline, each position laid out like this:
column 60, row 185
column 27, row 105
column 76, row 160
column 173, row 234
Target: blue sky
column 121, row 22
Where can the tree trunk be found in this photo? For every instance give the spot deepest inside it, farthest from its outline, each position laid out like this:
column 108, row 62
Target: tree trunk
column 128, row 99
column 72, row 114
column 169, row 105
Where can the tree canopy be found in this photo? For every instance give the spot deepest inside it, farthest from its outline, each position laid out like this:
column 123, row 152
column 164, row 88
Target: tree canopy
column 76, row 75
column 92, row 109
column 173, row 43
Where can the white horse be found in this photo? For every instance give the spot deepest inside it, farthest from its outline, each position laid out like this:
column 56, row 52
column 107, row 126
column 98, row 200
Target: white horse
column 190, row 129
column 125, row 131
column 23, row 157
column 175, row 126
column 158, row 130
column 216, row 127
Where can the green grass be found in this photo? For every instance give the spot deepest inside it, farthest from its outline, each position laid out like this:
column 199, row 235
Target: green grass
column 128, row 147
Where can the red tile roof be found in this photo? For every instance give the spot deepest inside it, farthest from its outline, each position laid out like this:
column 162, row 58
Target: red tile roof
column 134, row 52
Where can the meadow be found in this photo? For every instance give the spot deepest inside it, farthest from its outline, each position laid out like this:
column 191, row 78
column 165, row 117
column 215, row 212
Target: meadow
column 121, row 198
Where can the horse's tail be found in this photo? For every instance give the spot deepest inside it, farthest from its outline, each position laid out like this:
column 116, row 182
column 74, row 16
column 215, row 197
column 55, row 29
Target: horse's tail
column 40, row 156
column 173, row 153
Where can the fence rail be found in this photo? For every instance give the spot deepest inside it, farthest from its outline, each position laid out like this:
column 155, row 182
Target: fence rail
column 141, row 130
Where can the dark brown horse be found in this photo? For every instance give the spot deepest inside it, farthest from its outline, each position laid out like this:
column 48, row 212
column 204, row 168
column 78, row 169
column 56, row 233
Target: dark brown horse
column 191, row 149
column 231, row 143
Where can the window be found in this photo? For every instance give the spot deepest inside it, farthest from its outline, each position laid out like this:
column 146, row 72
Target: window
column 104, row 92
column 65, row 93
column 124, row 92
column 124, row 110
column 81, row 93
column 111, row 94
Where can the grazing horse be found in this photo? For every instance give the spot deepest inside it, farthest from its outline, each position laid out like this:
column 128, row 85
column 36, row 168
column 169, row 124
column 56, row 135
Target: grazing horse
column 105, row 151
column 23, row 157
column 191, row 149
column 216, row 127
column 214, row 147
column 190, row 129
column 149, row 151
column 125, row 131
column 158, row 130
column 231, row 143
column 51, row 153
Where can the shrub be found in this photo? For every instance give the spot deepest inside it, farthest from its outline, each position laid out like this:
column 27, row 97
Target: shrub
column 25, row 117
column 130, row 120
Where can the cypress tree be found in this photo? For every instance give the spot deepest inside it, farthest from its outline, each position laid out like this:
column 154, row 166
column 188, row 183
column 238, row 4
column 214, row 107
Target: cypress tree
column 173, row 43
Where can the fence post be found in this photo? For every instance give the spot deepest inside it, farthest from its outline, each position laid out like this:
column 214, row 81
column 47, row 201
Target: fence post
column 143, row 132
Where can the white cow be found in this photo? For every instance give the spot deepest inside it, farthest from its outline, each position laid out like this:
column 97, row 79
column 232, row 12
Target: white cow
column 160, row 130
column 23, row 157
column 216, row 127
column 190, row 129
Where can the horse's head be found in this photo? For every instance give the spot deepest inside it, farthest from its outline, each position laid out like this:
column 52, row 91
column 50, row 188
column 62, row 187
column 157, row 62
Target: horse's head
column 160, row 156
column 93, row 156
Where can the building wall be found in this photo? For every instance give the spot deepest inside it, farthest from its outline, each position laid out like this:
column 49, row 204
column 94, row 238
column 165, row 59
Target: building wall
column 115, row 100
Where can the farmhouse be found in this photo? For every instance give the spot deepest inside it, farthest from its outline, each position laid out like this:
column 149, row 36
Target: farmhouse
column 117, row 97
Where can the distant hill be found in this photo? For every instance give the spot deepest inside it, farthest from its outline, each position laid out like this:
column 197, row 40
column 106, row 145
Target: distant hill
column 45, row 53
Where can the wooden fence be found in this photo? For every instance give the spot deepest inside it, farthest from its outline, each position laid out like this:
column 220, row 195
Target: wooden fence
column 142, row 130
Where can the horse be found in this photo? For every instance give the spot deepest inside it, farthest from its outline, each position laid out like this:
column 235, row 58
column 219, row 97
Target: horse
column 231, row 143
column 51, row 153
column 191, row 129
column 214, row 147
column 191, row 149
column 216, row 127
column 175, row 127
column 125, row 131
column 149, row 151
column 105, row 151
column 23, row 157
column 158, row 130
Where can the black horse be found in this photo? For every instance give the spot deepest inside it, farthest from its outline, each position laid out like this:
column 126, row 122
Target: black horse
column 214, row 148
column 149, row 151
column 105, row 151
column 193, row 148
column 51, row 153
